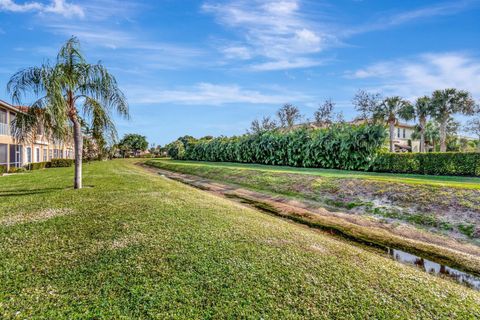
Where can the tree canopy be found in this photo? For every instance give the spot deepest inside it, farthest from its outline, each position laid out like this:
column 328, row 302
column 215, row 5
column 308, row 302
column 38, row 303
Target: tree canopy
column 134, row 143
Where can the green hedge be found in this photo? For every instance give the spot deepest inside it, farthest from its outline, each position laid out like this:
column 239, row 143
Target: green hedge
column 38, row 165
column 58, row 163
column 434, row 163
column 3, row 169
column 341, row 146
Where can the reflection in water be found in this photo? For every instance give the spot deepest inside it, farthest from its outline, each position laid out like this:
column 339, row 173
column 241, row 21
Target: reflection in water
column 435, row 268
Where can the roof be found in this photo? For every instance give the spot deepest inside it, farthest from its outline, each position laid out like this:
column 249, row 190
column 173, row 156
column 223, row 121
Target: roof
column 398, row 124
column 12, row 107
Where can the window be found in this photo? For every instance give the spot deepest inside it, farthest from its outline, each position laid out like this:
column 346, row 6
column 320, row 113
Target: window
column 37, row 154
column 3, row 123
column 15, row 155
column 55, row 153
column 50, row 154
column 404, row 133
column 3, row 154
column 12, row 121
column 398, row 132
column 29, row 155
column 45, row 155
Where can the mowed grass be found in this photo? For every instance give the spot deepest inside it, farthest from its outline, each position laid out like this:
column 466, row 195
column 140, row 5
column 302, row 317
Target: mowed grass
column 135, row 245
column 444, row 181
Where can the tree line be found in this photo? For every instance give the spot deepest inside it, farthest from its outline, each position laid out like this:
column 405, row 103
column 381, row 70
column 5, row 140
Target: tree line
column 434, row 115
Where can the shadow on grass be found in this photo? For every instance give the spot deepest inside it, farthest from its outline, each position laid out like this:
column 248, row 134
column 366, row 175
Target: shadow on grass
column 26, row 192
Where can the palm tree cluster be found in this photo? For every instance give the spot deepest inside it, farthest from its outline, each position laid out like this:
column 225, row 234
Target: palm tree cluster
column 441, row 106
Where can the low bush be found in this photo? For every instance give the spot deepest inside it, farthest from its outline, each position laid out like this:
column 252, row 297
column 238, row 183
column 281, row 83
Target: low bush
column 59, row 163
column 16, row 170
column 38, row 165
column 3, row 169
column 434, row 163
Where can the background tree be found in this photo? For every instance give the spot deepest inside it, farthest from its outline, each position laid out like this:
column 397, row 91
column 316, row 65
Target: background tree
column 67, row 93
column 324, row 114
column 473, row 127
column 134, row 143
column 445, row 104
column 259, row 126
column 288, row 115
column 366, row 103
column 389, row 111
column 419, row 111
column 432, row 134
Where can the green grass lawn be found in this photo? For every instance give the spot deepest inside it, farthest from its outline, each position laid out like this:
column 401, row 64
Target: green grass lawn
column 446, row 181
column 447, row 205
column 135, row 245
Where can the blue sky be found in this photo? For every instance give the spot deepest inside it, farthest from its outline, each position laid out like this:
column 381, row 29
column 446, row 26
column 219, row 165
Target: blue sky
column 211, row 67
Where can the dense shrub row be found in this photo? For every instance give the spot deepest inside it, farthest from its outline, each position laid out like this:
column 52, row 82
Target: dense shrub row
column 54, row 163
column 58, row 163
column 341, row 146
column 436, row 163
column 38, row 165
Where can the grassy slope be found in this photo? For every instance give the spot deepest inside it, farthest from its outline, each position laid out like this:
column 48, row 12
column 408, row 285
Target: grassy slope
column 446, row 181
column 443, row 204
column 138, row 246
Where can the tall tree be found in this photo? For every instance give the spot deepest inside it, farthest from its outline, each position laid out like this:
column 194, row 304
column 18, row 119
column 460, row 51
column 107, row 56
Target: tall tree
column 133, row 142
column 419, row 111
column 366, row 103
column 432, row 133
column 324, row 114
column 288, row 115
column 68, row 93
column 389, row 111
column 445, row 104
column 473, row 126
column 259, row 126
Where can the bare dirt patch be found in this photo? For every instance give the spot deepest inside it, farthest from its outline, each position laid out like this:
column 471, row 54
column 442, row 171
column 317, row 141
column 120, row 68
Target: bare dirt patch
column 38, row 216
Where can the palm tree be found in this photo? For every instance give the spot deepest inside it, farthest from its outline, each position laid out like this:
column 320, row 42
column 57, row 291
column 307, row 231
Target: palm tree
column 68, row 94
column 445, row 104
column 389, row 111
column 420, row 110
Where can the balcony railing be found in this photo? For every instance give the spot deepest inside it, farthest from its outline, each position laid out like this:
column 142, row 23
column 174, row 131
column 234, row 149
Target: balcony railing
column 4, row 129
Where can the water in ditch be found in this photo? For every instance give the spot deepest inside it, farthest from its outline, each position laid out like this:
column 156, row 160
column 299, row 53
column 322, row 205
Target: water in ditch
column 467, row 279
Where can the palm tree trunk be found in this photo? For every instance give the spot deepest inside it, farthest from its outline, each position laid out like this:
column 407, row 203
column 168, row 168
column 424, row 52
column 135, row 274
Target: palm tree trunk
column 78, row 144
column 422, row 135
column 443, row 136
column 392, row 132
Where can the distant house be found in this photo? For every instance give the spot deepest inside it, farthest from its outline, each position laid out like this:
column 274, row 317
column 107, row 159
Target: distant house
column 402, row 139
column 15, row 154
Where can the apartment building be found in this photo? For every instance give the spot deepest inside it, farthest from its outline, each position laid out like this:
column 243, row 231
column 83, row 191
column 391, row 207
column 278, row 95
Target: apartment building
column 15, row 154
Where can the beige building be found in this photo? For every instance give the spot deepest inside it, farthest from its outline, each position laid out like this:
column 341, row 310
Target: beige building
column 403, row 138
column 15, row 154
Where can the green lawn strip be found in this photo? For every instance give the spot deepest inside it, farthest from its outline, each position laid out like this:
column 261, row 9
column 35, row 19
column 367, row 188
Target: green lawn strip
column 136, row 245
column 445, row 181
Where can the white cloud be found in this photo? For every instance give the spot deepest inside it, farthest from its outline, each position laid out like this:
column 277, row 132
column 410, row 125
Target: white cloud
column 60, row 7
column 422, row 74
column 237, row 52
column 210, row 94
column 279, row 35
column 392, row 20
column 273, row 31
column 295, row 63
